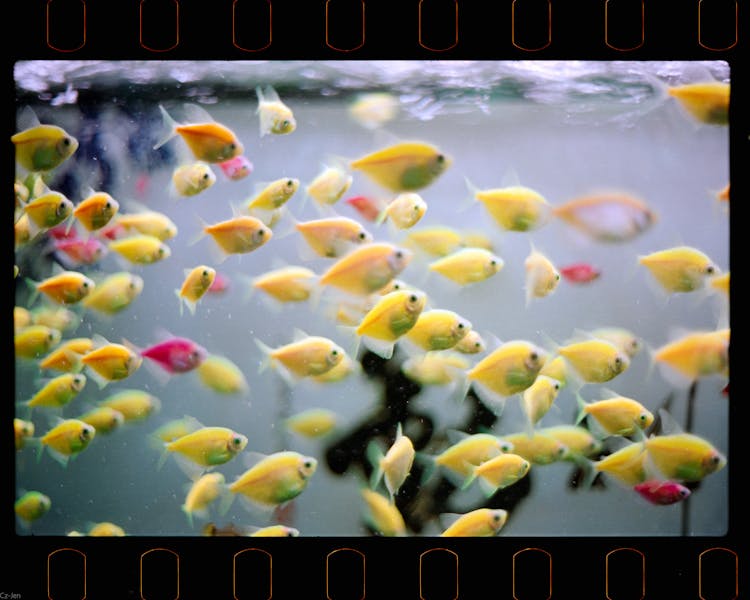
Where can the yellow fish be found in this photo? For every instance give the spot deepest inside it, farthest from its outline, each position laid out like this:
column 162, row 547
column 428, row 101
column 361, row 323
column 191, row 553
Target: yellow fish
column 287, row 284
column 192, row 179
column 341, row 371
column 405, row 166
column 240, row 234
column 481, row 522
column 59, row 391
column 65, row 287
column 470, row 451
column 114, row 293
column 104, row 419
column 57, row 317
column 134, row 405
column 507, row 370
column 111, row 362
column 147, row 222
column 31, row 506
column 276, row 479
column 437, row 241
column 106, row 529
column 514, row 208
column 367, row 268
column 194, row 286
column 612, row 217
column 35, row 341
column 374, row 109
column 392, row 316
column 623, row 338
column 275, row 116
column 394, row 466
column 96, row 210
column 273, row 195
column 66, row 439
column 208, row 446
column 329, row 185
column 706, row 101
column 202, row 493
column 176, row 428
column 141, row 249
column 618, row 415
column 538, row 449
column 683, row 456
column 208, row 140
column 471, row 343
column 404, row 211
column 498, row 472
column 438, row 329
column 22, row 318
column 42, row 148
column 22, row 430
column 274, row 531
column 595, row 360
column 307, row 356
column 435, row 368
column 332, row 237
column 578, row 440
column 537, row 399
column 468, row 265
column 221, row 375
column 48, row 210
column 694, row 355
column 720, row 283
column 312, row 423
column 382, row 515
column 627, row 464
column 542, row 276
column 679, row 269
column 477, row 239
column 556, row 369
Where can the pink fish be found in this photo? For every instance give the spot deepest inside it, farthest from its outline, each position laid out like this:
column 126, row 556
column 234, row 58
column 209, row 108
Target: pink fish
column 80, row 251
column 111, row 231
column 368, row 208
column 237, row 168
column 219, row 285
column 662, row 492
column 63, row 231
column 580, row 272
column 175, row 354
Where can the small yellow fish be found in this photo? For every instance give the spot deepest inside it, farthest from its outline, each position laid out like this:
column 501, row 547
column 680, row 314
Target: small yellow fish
column 240, row 234
column 382, row 515
column 147, row 222
column 106, row 529
column 706, row 101
column 437, row 241
column 57, row 317
column 287, row 284
column 275, row 116
column 623, row 338
column 595, row 360
column 22, row 231
column 515, row 208
column 438, row 329
column 468, row 265
column 578, row 440
column 477, row 239
column 435, row 368
column 208, row 140
column 405, row 166
column 332, row 237
column 276, row 479
column 618, row 415
column 59, row 391
column 66, row 287
column 720, row 283
column 141, row 249
column 557, row 370
column 679, row 269
column 42, row 148
column 309, row 355
column 67, row 439
column 114, row 293
column 221, row 375
column 193, row 178
column 49, row 209
column 22, row 318
column 612, row 217
column 404, row 211
column 542, row 276
column 312, row 423
column 341, row 371
column 194, row 286
column 111, row 362
column 176, row 428
column 329, row 185
column 627, row 465
column 96, row 210
column 537, row 399
column 481, row 522
column 201, row 494
column 684, row 456
column 134, row 405
column 35, row 341
column 367, row 268
column 498, row 472
column 471, row 343
column 538, row 449
column 23, row 430
column 273, row 195
column 371, row 110
column 392, row 316
column 694, row 355
column 104, row 419
column 31, row 506
column 275, row 531
column 209, row 446
column 470, row 451
column 394, row 466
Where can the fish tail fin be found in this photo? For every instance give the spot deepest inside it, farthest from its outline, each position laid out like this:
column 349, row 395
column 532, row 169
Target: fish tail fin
column 374, row 455
column 163, row 457
column 188, row 515
column 98, row 378
column 171, row 126
column 428, row 463
column 581, row 404
column 36, row 444
column 589, row 472
column 33, row 290
column 471, row 197
column 266, row 362
column 179, row 299
column 382, row 216
column 469, row 478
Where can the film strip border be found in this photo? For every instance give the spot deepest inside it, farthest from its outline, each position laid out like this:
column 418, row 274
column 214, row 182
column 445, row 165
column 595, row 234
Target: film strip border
column 388, row 28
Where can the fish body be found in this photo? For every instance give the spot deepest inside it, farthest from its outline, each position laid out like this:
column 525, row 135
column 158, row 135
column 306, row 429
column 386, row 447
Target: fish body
column 382, row 515
column 202, row 494
column 618, row 415
column 542, row 277
column 240, row 234
column 374, row 109
column 114, row 293
column 578, row 440
column 287, row 284
column 209, row 446
column 140, row 249
column 81, row 251
column 31, row 506
column 23, row 430
column 579, row 273
column 697, row 354
column 307, row 356
column 471, row 343
column 68, row 438
column 274, row 195
column 392, row 316
column 482, row 522
column 538, row 449
column 405, row 166
column 394, row 466
column 275, row 531
column 221, row 375
column 471, row 451
column 133, row 404
column 662, row 492
column 96, row 210
column 623, row 338
column 49, row 210
column 435, row 368
column 705, row 101
column 112, row 362
column 59, row 391
column 35, row 341
column 515, row 208
column 367, row 268
column 176, row 354
column 195, row 285
column 509, row 369
column 404, row 211
column 104, row 419
column 312, row 423
column 57, row 317
column 468, row 265
column 680, row 269
column 537, row 399
column 438, row 329
column 43, row 148
column 627, row 464
column 276, row 479
column 106, row 529
column 275, row 116
column 366, row 206
column 66, row 287
column 595, row 360
column 611, row 217
column 498, row 472
column 332, row 237
column 329, row 185
column 435, row 241
column 148, row 222
column 684, row 456
column 192, row 179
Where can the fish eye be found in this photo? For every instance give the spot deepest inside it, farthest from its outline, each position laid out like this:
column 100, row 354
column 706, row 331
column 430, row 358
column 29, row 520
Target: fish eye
column 506, row 447
column 308, row 464
column 66, row 141
column 290, row 533
column 413, row 298
column 362, row 235
column 334, row 352
column 399, row 254
column 618, row 360
column 285, row 123
column 232, row 146
column 493, row 262
column 85, row 284
column 440, row 158
column 534, row 356
column 557, row 386
column 161, row 251
column 715, row 459
column 205, row 273
column 237, row 441
column 710, row 269
column 261, row 232
column 460, row 325
column 107, row 204
column 496, row 518
column 289, row 182
column 643, row 417
column 557, row 276
column 205, row 176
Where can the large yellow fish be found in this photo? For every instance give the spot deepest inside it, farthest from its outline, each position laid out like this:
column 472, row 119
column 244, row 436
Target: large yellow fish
column 367, row 268
column 438, row 240
column 468, row 265
column 65, row 287
column 706, row 101
column 471, row 343
column 627, row 464
column 111, row 362
column 694, row 355
column 579, row 441
column 67, row 439
column 23, row 430
column 312, row 423
column 274, row 531
column 35, row 341
column 498, row 472
column 240, row 234
column 194, row 286
column 307, row 356
column 96, row 210
column 515, row 208
column 393, row 466
column 607, row 217
column 57, row 317
column 438, row 329
column 275, row 116
column 679, row 269
column 481, row 522
column 208, row 140
column 405, row 166
column 59, row 391
column 276, row 479
column 192, row 179
column 537, row 399
column 49, row 209
column 42, row 148
column 392, row 316
column 104, row 419
column 595, row 360
column 684, row 456
column 114, row 293
column 382, row 515
column 147, row 222
column 209, row 446
column 371, row 110
column 31, row 506
column 618, row 415
column 141, row 249
column 435, row 368
column 331, row 237
column 621, row 337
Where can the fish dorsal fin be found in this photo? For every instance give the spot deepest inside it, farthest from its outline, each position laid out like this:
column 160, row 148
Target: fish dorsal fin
column 510, row 178
column 669, row 425
column 447, row 519
column 99, row 340
column 383, row 138
column 27, row 119
column 252, row 458
column 299, row 334
column 696, row 73
column 197, row 114
column 607, row 393
column 162, row 334
column 456, row 435
column 87, row 191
